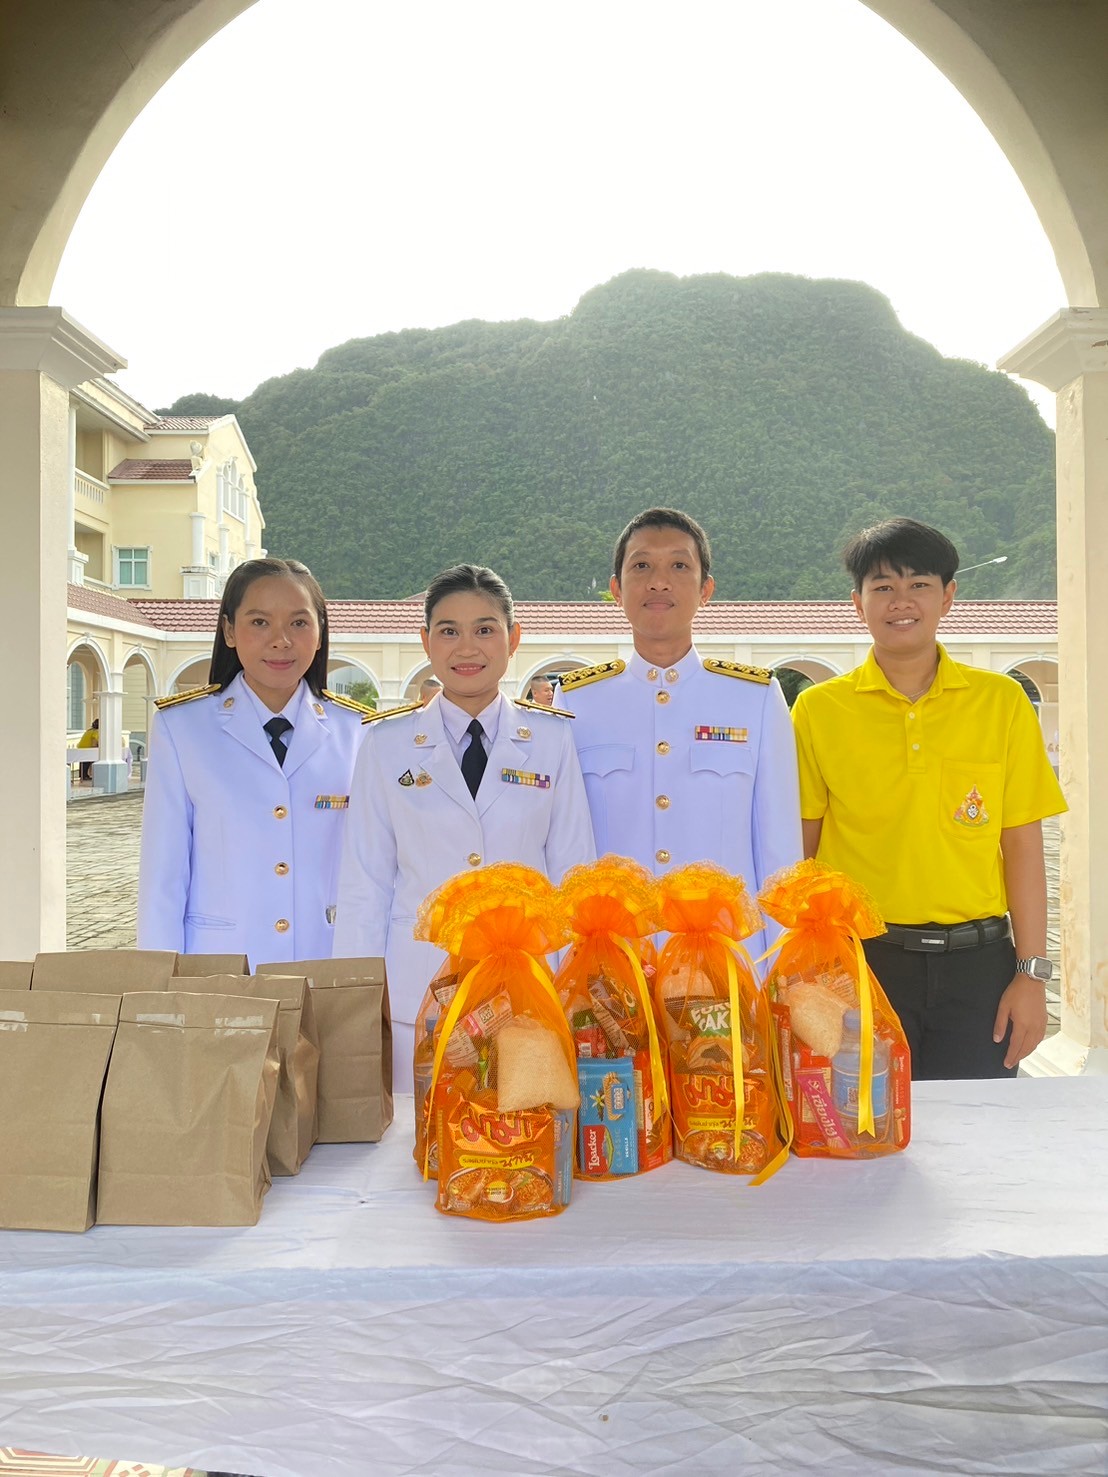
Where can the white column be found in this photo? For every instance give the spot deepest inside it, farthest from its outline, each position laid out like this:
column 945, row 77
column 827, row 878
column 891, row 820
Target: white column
column 77, row 561
column 43, row 354
column 109, row 773
column 1069, row 355
column 197, row 556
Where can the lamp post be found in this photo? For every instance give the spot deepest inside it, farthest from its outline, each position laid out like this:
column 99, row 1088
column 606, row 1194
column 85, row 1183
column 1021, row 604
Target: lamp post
column 1000, row 559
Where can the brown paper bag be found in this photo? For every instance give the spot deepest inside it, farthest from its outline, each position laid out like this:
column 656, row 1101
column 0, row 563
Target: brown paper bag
column 15, row 975
column 54, row 1050
column 187, row 1108
column 113, row 971
column 207, row 966
column 293, row 1129
column 351, row 1003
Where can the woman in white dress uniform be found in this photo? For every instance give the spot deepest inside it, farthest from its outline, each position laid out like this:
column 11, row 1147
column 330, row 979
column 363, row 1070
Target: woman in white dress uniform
column 242, row 826
column 426, row 804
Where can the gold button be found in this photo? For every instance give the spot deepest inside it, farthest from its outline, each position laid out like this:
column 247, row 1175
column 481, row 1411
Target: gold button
column 523, row 733
column 663, row 697
column 662, row 802
column 661, row 856
column 282, row 925
column 672, row 675
column 663, row 747
column 474, row 858
column 652, row 674
column 228, row 702
column 318, row 708
column 280, row 812
column 282, row 869
column 420, row 738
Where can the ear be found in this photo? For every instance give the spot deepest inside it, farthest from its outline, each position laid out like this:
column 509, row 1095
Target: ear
column 857, row 601
column 948, row 597
column 513, row 639
column 706, row 590
column 423, row 638
column 228, row 633
column 617, row 594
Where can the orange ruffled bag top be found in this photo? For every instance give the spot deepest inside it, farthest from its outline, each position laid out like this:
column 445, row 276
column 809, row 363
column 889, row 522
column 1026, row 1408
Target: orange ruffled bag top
column 720, row 1041
column 623, row 1124
column 503, row 1085
column 844, row 1057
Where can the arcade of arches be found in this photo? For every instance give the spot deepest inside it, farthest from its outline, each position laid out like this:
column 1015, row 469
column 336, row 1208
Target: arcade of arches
column 1034, row 74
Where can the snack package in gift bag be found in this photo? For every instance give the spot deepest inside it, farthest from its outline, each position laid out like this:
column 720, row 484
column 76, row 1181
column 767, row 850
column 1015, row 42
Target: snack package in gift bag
column 623, row 1124
column 844, row 1057
column 436, row 999
column 503, row 1088
column 720, row 1041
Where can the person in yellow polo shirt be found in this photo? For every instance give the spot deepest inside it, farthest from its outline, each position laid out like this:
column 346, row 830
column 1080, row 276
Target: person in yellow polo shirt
column 927, row 781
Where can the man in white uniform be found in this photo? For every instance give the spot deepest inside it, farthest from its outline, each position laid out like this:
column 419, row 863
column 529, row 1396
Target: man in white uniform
column 684, row 759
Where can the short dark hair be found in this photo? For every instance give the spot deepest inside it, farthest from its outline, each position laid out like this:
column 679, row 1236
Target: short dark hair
column 903, row 545
column 225, row 664
column 665, row 518
column 474, row 579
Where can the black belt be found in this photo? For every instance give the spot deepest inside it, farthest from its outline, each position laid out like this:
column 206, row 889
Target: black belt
column 935, row 939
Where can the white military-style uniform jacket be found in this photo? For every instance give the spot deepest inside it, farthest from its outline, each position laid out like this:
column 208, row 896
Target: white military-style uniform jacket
column 238, row 853
column 413, row 824
column 689, row 763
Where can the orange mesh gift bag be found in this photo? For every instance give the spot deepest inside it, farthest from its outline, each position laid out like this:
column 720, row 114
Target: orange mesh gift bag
column 436, row 999
column 503, row 1089
column 720, row 1040
column 623, row 1125
column 844, row 1057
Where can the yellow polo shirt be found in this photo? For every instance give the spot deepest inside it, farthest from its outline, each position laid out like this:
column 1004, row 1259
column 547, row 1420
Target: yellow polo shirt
column 914, row 796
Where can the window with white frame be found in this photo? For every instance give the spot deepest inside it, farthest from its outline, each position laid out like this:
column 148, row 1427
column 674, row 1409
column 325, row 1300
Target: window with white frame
column 75, row 696
column 132, row 568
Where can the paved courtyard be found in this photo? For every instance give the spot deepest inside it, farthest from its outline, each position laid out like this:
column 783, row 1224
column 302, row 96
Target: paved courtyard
column 102, row 847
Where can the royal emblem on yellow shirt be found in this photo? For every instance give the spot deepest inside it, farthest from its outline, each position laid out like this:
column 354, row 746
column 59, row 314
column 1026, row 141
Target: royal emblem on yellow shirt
column 972, row 810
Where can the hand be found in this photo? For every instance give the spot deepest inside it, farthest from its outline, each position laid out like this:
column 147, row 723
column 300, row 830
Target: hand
column 1024, row 1004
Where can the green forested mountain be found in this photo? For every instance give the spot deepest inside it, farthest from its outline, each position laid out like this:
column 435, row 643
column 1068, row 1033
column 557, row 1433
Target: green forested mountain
column 784, row 413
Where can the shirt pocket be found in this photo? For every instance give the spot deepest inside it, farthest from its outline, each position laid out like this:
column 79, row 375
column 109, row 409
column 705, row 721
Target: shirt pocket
column 722, row 760
column 971, row 801
column 205, row 920
column 602, row 760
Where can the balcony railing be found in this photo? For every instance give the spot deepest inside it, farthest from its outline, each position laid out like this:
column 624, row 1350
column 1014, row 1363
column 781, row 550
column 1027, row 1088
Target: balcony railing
column 89, row 490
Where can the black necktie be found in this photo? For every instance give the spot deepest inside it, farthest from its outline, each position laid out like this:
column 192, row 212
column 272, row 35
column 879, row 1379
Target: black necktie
column 275, row 728
column 474, row 759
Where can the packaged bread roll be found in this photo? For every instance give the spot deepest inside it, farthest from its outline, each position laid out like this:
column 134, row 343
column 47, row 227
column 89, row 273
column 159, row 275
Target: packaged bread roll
column 532, row 1070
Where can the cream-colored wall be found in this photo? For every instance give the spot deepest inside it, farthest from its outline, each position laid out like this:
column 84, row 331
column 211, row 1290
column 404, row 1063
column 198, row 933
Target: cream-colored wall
column 156, row 516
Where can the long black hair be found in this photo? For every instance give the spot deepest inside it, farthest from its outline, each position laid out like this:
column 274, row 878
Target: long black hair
column 225, row 664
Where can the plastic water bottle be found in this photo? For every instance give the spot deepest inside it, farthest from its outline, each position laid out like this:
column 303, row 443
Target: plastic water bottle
column 846, row 1066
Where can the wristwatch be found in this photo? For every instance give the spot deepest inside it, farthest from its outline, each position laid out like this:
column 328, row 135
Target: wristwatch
column 1036, row 967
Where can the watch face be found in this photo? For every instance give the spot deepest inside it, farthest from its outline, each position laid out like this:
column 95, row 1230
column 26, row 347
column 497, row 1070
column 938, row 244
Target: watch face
column 1039, row 969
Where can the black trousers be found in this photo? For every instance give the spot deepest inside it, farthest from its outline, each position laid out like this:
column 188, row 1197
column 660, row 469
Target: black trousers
column 947, row 1004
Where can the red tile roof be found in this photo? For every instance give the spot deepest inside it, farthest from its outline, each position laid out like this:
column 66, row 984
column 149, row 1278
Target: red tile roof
column 150, row 469
column 182, row 422
column 99, row 602
column 734, row 618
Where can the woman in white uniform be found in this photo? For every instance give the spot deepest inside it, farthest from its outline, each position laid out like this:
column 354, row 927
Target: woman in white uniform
column 248, row 783
column 470, row 779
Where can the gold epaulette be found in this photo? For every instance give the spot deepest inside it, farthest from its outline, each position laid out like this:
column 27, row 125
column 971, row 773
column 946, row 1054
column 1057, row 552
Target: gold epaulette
column 391, row 712
column 348, row 702
column 584, row 675
column 187, row 697
column 738, row 669
column 522, row 702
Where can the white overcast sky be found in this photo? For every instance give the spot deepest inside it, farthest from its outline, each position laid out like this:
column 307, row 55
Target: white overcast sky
column 325, row 171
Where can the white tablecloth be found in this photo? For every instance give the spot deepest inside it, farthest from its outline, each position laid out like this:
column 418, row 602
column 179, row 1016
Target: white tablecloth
column 943, row 1310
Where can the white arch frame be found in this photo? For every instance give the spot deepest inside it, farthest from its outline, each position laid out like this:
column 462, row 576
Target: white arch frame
column 183, row 667
column 336, row 664
column 832, row 668
column 98, row 652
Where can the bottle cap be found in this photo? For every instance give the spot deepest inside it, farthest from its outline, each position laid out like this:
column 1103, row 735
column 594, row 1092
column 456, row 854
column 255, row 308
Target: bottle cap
column 852, row 1021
